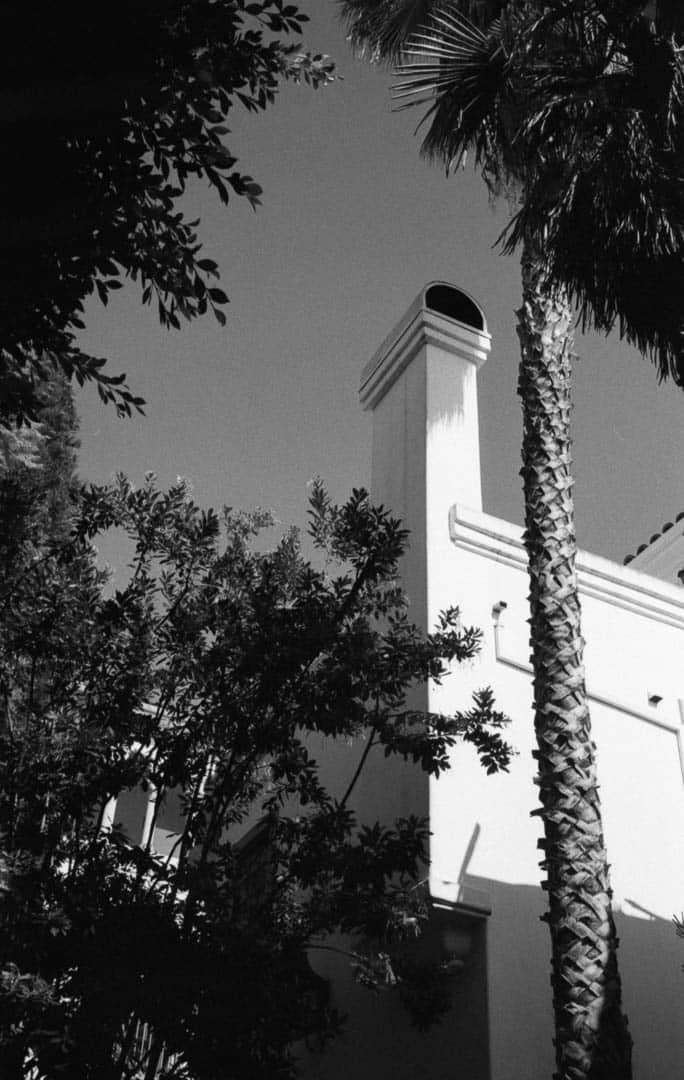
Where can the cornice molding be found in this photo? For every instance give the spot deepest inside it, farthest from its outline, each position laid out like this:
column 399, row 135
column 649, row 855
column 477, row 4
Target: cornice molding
column 600, row 578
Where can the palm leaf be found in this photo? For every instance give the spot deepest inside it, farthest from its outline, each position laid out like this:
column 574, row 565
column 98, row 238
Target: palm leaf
column 607, row 189
column 591, row 129
column 461, row 74
column 383, row 27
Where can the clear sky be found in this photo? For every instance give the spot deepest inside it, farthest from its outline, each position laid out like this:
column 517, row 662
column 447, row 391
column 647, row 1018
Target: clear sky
column 353, row 223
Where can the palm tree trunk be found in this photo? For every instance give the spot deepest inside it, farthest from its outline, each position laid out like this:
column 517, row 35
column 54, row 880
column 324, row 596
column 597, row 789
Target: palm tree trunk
column 592, row 1040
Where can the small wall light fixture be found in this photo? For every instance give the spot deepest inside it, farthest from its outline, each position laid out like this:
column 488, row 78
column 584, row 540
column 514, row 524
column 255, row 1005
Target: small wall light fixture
column 457, row 944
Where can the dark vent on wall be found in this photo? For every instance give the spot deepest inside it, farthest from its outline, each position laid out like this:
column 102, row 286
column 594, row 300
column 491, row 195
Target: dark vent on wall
column 453, row 303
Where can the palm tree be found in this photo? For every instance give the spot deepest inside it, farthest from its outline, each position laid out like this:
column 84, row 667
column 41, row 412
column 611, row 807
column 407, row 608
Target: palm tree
column 574, row 107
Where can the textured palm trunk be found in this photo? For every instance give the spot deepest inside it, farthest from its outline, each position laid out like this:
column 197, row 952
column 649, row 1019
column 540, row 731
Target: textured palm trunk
column 592, row 1039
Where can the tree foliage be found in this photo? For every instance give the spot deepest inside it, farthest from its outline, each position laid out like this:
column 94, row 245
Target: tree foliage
column 101, row 132
column 181, row 952
column 557, row 100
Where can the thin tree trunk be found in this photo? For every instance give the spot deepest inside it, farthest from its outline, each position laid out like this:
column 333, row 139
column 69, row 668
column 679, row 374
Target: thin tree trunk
column 592, row 1039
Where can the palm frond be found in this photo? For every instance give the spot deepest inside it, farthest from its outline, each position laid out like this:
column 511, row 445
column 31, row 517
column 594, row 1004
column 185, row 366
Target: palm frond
column 610, row 205
column 675, row 102
column 458, row 71
column 382, row 28
column 579, row 102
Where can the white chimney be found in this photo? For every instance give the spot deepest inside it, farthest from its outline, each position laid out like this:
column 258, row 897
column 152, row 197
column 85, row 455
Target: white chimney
column 422, row 387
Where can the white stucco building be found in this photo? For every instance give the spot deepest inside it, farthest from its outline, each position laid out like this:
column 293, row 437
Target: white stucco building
column 421, row 391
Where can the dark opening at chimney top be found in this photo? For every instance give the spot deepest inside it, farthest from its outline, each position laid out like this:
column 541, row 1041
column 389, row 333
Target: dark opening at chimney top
column 446, row 300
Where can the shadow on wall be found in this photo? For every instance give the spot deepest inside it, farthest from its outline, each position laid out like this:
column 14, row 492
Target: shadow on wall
column 503, row 988
column 378, row 1040
column 650, row 959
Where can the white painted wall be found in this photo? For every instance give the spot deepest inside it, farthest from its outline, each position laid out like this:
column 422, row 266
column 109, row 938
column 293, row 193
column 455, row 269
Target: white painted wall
column 634, row 626
column 421, row 387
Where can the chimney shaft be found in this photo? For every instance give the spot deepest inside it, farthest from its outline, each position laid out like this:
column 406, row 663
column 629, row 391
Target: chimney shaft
column 422, row 388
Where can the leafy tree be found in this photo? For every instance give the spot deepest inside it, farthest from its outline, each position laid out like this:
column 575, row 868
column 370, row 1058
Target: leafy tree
column 38, row 484
column 181, row 951
column 38, row 488
column 101, row 132
column 574, row 110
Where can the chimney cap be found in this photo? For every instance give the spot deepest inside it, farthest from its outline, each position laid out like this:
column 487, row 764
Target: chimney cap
column 440, row 313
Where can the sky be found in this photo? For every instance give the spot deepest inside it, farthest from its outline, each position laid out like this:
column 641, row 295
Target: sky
column 353, row 223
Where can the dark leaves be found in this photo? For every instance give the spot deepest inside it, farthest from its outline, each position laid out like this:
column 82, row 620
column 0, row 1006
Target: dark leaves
column 207, row 679
column 129, row 110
